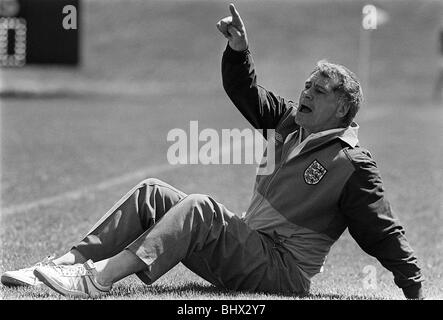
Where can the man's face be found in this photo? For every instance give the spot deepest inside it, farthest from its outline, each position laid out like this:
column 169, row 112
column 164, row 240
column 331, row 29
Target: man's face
column 318, row 109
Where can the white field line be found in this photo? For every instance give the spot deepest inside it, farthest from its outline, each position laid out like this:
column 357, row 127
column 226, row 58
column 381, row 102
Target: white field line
column 84, row 191
column 134, row 176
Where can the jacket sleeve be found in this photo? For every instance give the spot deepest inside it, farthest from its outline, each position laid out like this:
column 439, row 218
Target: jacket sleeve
column 374, row 226
column 259, row 106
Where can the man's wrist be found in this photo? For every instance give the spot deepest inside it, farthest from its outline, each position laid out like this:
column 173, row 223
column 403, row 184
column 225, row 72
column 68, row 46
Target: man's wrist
column 234, row 55
column 413, row 292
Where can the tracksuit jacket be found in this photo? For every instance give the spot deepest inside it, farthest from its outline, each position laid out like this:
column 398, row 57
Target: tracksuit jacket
column 313, row 195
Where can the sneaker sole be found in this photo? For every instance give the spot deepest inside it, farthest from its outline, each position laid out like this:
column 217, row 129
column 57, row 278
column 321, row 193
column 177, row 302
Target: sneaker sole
column 54, row 286
column 14, row 282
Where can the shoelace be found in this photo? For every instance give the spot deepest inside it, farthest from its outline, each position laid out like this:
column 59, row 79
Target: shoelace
column 47, row 260
column 73, row 271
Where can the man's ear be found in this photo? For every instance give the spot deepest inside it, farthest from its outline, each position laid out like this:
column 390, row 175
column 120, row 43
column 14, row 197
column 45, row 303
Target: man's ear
column 342, row 110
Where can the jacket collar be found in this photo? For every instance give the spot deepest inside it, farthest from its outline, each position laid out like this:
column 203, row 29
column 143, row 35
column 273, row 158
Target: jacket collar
column 348, row 135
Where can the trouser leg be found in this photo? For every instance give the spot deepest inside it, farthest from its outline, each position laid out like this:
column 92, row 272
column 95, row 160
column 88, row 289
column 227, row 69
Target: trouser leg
column 163, row 226
column 132, row 215
column 217, row 245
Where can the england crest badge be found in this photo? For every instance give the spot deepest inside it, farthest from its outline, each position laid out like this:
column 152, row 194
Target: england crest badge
column 314, row 173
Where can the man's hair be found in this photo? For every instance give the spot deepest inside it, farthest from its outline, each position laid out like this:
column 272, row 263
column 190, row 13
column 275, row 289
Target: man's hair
column 348, row 89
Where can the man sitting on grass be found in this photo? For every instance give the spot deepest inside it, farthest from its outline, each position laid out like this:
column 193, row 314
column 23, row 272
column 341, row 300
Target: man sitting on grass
column 323, row 183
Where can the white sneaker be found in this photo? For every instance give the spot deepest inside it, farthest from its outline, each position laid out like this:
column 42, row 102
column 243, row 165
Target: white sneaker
column 25, row 276
column 78, row 280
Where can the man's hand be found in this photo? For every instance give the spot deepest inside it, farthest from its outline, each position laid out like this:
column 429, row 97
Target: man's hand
column 233, row 29
column 414, row 292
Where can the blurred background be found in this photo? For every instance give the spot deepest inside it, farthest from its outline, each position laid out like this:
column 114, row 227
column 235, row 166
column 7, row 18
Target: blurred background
column 83, row 125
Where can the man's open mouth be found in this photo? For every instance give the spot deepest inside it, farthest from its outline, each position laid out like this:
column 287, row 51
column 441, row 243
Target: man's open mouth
column 304, row 109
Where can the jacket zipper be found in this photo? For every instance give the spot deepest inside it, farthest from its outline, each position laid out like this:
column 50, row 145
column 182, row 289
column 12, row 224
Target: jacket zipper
column 282, row 162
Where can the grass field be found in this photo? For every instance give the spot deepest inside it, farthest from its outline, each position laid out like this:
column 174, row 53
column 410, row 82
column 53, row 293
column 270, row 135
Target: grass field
column 75, row 140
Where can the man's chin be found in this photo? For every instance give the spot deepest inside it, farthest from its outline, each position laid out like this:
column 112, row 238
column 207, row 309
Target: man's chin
column 298, row 120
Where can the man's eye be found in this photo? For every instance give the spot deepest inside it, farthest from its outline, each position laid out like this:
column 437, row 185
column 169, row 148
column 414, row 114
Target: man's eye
column 319, row 91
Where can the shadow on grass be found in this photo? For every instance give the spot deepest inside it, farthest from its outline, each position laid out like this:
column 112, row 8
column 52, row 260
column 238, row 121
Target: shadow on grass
column 189, row 289
column 334, row 296
column 185, row 291
column 28, row 293
column 198, row 290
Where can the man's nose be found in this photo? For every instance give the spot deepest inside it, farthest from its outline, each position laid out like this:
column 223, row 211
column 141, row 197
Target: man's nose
column 307, row 96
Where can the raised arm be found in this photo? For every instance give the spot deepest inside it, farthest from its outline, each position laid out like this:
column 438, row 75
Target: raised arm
column 259, row 106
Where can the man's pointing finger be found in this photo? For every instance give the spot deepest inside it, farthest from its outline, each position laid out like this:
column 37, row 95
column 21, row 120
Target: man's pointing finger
column 234, row 12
